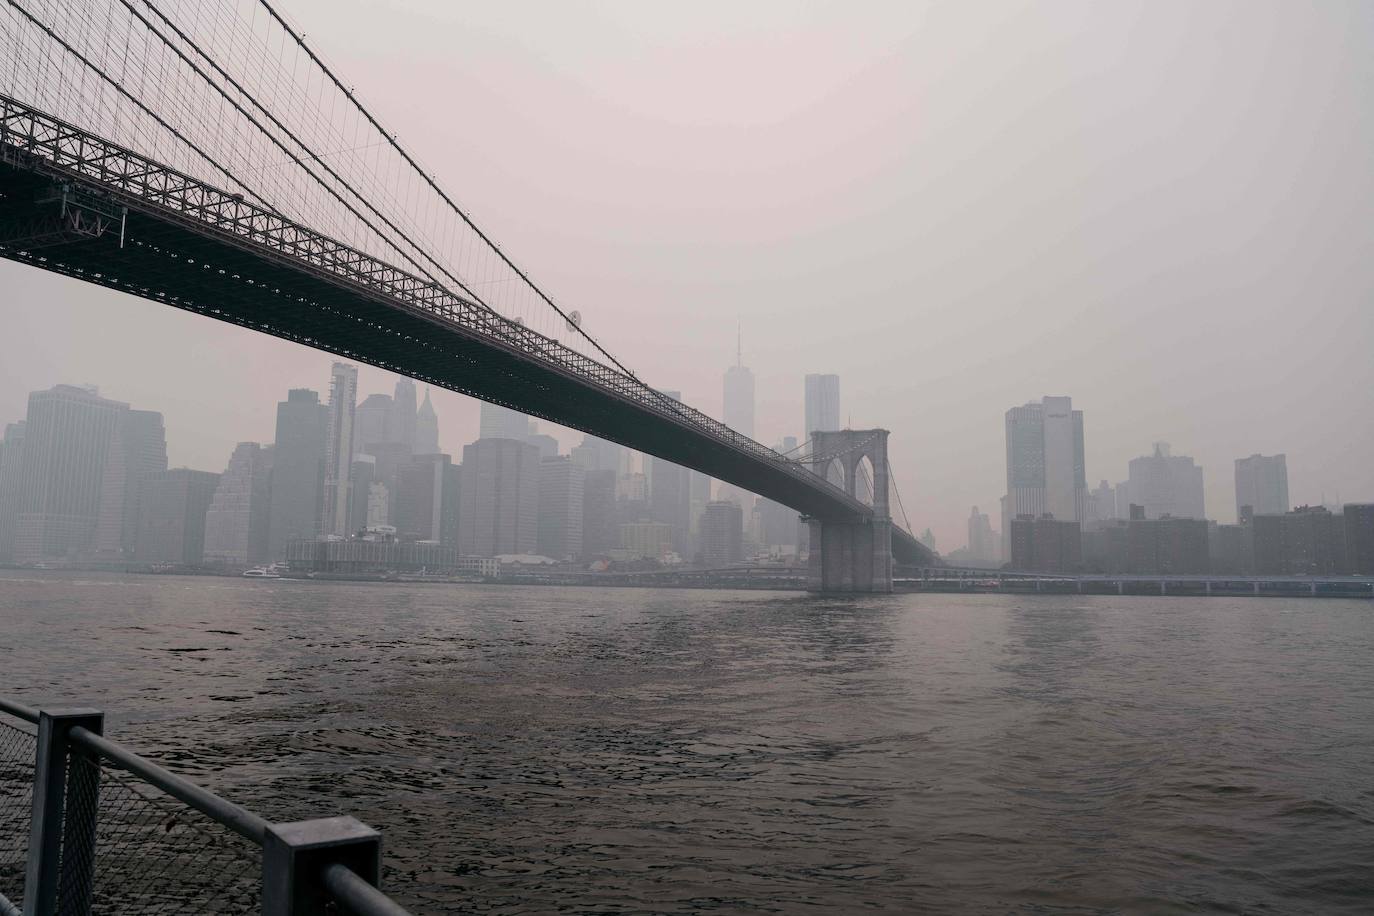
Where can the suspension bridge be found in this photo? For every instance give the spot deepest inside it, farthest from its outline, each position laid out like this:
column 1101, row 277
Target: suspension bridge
column 203, row 156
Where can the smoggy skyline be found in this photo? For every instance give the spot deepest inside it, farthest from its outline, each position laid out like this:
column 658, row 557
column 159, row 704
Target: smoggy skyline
column 1162, row 210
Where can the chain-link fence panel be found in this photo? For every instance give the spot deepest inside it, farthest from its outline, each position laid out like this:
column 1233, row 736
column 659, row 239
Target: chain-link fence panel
column 18, row 746
column 152, row 854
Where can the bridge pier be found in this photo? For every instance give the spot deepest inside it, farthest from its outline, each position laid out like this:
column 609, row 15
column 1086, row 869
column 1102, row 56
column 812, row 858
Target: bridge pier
column 852, row 555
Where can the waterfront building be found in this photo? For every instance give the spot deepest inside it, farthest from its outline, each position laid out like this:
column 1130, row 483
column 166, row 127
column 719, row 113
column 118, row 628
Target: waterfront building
column 11, row 455
column 1229, row 549
column 236, row 521
column 500, row 498
column 822, row 404
column 428, row 497
column 722, row 534
column 67, row 437
column 171, row 518
column 426, row 429
column 403, row 413
column 497, row 422
column 298, row 462
column 1308, row 541
column 561, row 494
column 1359, row 538
column 343, row 399
column 1045, row 544
column 739, row 396
column 646, row 540
column 1045, row 469
column 1167, row 485
column 375, row 421
column 139, row 447
column 375, row 556
column 600, row 528
column 1262, row 485
column 1167, row 546
column 1105, row 547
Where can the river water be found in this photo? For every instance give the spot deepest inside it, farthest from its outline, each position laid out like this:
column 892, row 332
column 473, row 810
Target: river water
column 530, row 750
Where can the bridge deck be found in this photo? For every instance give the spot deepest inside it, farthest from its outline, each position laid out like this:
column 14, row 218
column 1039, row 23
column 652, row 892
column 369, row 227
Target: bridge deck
column 190, row 245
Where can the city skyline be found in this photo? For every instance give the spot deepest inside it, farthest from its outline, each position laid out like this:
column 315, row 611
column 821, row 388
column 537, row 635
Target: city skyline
column 1114, row 251
column 372, row 383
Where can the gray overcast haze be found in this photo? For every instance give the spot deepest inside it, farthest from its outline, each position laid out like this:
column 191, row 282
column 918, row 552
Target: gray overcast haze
column 1162, row 209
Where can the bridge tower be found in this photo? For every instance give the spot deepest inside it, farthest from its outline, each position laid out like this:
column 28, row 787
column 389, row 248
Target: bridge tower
column 855, row 554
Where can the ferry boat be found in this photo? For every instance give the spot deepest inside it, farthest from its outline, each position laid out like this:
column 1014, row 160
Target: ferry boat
column 263, row 572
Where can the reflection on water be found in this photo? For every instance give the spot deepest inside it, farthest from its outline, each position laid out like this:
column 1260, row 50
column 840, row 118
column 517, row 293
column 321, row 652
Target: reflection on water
column 527, row 750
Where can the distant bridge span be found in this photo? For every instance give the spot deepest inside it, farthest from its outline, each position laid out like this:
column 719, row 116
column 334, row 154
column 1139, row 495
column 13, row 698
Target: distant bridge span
column 79, row 205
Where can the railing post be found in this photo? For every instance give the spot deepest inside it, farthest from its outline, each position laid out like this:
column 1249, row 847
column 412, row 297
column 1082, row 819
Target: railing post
column 62, row 829
column 294, row 857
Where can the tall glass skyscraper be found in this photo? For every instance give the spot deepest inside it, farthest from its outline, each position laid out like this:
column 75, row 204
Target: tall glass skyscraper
column 822, row 404
column 1045, row 469
column 343, row 403
column 297, row 470
column 67, row 438
column 739, row 397
column 1262, row 484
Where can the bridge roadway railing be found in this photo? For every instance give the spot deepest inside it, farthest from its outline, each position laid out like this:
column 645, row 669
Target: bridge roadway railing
column 86, row 825
column 36, row 140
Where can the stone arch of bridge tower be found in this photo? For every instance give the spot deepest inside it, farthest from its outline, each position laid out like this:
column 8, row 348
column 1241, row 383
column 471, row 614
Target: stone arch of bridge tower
column 852, row 554
column 848, row 448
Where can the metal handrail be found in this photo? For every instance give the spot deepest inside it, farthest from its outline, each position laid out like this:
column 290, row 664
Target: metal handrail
column 357, row 896
column 19, row 710
column 238, row 819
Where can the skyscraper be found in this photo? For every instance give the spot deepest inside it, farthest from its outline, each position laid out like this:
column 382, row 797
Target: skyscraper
column 560, row 508
column 237, row 518
column 11, row 455
column 67, row 437
column 403, row 413
column 499, row 498
column 426, row 429
column 424, row 494
column 596, row 454
column 171, row 516
column 1262, row 484
column 739, row 396
column 822, row 404
column 722, row 534
column 1045, row 469
column 139, row 448
column 982, row 543
column 600, row 527
column 343, row 400
column 1167, row 484
column 497, row 422
column 298, row 462
column 376, row 421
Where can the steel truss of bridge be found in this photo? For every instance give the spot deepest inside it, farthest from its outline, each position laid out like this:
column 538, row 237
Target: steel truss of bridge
column 76, row 204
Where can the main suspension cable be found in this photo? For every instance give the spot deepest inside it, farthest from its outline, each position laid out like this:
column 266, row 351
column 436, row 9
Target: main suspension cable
column 391, row 140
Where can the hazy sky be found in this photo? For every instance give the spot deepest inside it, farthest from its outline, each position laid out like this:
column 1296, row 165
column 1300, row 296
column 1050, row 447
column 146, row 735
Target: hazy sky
column 1164, row 210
